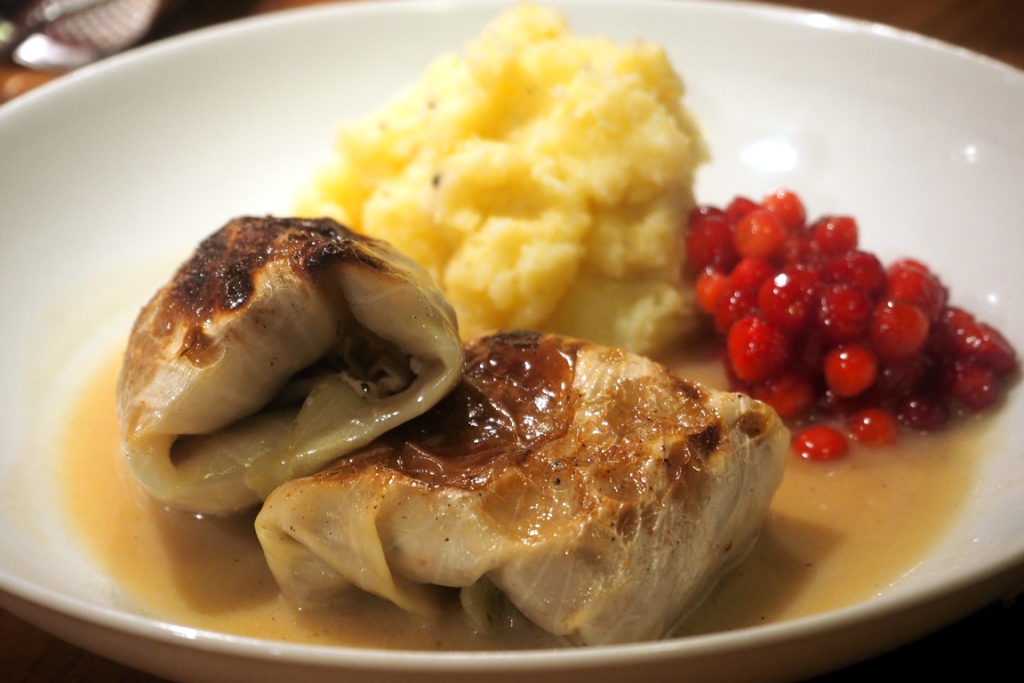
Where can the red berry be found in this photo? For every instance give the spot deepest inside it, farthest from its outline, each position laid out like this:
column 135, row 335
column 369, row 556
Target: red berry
column 911, row 263
column 819, row 443
column 732, row 306
column 971, row 383
column 787, row 208
column 751, row 272
column 711, row 286
column 834, row 234
column 757, row 351
column 834, row 331
column 913, row 283
column 873, row 427
column 898, row 331
column 942, row 337
column 922, row 413
column 791, row 394
column 858, row 268
column 833, row 405
column 843, row 314
column 786, row 299
column 808, row 353
column 850, row 370
column 987, row 345
column 798, row 252
column 759, row 235
column 903, row 379
column 740, row 207
column 709, row 240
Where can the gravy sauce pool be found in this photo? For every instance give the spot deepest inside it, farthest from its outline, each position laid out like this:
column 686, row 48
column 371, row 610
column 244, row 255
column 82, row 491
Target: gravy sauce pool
column 837, row 534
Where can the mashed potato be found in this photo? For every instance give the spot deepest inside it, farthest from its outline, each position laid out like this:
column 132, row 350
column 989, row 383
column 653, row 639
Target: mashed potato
column 542, row 179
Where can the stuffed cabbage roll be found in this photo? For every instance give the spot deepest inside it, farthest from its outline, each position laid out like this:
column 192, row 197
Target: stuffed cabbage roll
column 599, row 493
column 279, row 346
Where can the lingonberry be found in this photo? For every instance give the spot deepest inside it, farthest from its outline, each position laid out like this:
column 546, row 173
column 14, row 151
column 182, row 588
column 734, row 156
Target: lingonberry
column 850, row 370
column 898, row 331
column 791, row 394
column 833, row 405
column 972, row 384
column 711, row 286
column 709, row 240
column 785, row 300
column 843, row 314
column 819, row 443
column 808, row 353
column 759, row 234
column 985, row 344
column 834, row 234
column 922, row 413
column 898, row 380
column 757, row 350
column 732, row 306
column 942, row 335
column 798, row 251
column 858, row 268
column 813, row 324
column 787, row 208
column 740, row 207
column 913, row 283
column 751, row 272
column 873, row 427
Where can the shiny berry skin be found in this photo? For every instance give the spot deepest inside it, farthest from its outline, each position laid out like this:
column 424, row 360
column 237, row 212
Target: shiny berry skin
column 759, row 235
column 985, row 344
column 942, row 335
column 733, row 306
column 791, row 394
column 972, row 384
column 898, row 380
column 740, row 207
column 843, row 314
column 812, row 324
column 786, row 299
column 711, row 286
column 832, row 405
column 850, row 370
column 797, row 252
column 834, row 235
column 898, row 331
column 751, row 272
column 819, row 443
column 911, row 282
column 858, row 268
column 757, row 351
column 709, row 240
column 922, row 413
column 873, row 427
column 808, row 353
column 787, row 208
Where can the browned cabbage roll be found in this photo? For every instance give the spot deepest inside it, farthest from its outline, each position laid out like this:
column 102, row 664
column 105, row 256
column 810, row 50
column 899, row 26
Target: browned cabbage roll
column 280, row 345
column 601, row 494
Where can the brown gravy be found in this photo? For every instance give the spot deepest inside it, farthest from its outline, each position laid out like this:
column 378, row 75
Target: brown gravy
column 838, row 534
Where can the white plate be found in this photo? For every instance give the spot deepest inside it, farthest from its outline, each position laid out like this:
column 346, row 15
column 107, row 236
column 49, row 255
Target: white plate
column 129, row 163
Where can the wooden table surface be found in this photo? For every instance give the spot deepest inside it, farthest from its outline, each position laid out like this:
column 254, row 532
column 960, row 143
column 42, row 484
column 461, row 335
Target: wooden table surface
column 988, row 641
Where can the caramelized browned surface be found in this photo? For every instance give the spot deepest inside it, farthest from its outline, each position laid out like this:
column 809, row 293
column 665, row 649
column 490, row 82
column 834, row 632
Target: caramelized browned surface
column 220, row 277
column 516, row 396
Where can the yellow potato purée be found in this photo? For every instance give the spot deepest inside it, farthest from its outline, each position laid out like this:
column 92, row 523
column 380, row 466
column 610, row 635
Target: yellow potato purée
column 542, row 178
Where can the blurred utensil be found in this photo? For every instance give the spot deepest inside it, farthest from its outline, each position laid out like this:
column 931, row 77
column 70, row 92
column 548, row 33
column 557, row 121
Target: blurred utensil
column 59, row 35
